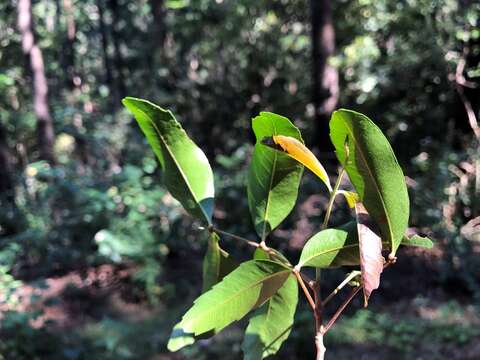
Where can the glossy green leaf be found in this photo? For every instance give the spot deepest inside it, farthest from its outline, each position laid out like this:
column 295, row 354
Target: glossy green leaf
column 332, row 248
column 374, row 172
column 273, row 176
column 217, row 263
column 418, row 241
column 187, row 173
column 244, row 289
column 271, row 324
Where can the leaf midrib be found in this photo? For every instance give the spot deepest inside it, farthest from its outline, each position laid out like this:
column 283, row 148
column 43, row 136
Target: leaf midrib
column 256, row 283
column 392, row 239
column 267, row 206
column 176, row 163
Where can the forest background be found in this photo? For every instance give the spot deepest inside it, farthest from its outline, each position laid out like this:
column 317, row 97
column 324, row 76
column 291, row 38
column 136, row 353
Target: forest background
column 98, row 261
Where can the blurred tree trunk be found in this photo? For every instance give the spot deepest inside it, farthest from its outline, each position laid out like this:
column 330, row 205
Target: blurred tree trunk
column 118, row 57
column 106, row 59
column 6, row 179
column 11, row 220
column 68, row 50
column 325, row 77
column 45, row 132
column 159, row 31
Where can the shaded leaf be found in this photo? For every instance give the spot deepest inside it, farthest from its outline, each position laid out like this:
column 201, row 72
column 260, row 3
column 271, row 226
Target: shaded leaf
column 244, row 289
column 273, row 177
column 217, row 263
column 374, row 172
column 271, row 324
column 418, row 241
column 371, row 259
column 187, row 172
column 298, row 151
column 331, row 248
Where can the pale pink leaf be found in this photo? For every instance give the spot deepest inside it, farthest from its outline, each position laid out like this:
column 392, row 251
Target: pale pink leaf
column 371, row 259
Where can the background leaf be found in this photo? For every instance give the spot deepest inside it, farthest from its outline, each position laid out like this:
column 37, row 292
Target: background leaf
column 332, row 248
column 244, row 289
column 273, row 177
column 371, row 259
column 271, row 324
column 188, row 175
column 217, row 263
column 374, row 171
column 419, row 241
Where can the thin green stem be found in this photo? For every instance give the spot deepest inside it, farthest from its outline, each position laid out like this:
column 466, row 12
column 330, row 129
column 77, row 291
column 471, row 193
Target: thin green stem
column 349, row 278
column 333, row 194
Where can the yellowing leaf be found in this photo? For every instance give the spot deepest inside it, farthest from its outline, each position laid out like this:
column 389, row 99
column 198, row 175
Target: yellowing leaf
column 351, row 197
column 371, row 259
column 303, row 155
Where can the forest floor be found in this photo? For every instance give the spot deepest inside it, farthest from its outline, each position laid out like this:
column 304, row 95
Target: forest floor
column 410, row 318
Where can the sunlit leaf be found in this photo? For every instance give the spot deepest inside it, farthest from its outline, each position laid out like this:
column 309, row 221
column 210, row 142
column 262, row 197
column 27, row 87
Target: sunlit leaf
column 371, row 259
column 331, row 248
column 273, row 177
column 217, row 263
column 302, row 154
column 244, row 289
column 271, row 324
column 374, row 172
column 187, row 172
column 351, row 197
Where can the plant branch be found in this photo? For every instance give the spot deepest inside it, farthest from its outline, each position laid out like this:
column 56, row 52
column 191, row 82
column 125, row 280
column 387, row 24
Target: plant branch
column 304, row 288
column 341, row 308
column 233, row 236
column 349, row 278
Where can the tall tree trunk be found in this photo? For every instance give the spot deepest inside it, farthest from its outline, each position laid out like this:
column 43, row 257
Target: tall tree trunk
column 325, row 77
column 45, row 132
column 118, row 58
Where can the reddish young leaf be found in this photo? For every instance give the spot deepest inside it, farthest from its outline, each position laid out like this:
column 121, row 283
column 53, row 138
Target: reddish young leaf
column 371, row 259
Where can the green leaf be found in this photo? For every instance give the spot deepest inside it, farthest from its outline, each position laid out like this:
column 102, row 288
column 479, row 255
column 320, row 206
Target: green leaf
column 332, row 248
column 271, row 324
column 273, row 177
column 418, row 241
column 188, row 175
column 217, row 263
column 244, row 289
column 374, row 171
